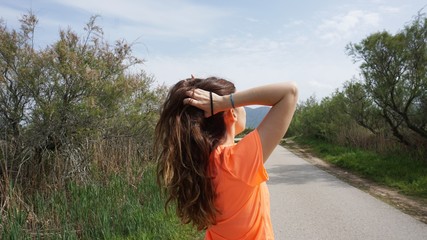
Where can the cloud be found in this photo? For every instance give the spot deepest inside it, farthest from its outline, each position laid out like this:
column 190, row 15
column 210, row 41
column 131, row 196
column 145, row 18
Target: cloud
column 293, row 23
column 249, row 62
column 319, row 76
column 159, row 18
column 252, row 20
column 318, row 85
column 343, row 26
column 389, row 9
column 247, row 44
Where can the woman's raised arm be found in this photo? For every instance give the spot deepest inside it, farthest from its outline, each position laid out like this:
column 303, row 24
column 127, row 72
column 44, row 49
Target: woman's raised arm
column 282, row 97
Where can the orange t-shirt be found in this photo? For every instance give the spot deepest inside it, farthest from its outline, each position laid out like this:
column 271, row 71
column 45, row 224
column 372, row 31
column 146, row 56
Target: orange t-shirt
column 242, row 197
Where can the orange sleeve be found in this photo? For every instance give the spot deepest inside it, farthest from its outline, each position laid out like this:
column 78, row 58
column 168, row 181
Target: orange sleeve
column 245, row 160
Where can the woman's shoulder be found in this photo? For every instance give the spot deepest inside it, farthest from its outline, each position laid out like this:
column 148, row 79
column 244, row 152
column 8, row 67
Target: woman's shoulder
column 248, row 144
column 252, row 139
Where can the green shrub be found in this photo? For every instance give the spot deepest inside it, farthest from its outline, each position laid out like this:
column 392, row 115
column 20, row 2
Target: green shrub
column 399, row 170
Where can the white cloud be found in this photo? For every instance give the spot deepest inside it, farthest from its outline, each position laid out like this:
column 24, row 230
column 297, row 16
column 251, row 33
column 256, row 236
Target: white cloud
column 320, row 86
column 179, row 38
column 389, row 9
column 249, row 62
column 247, row 44
column 252, row 20
column 293, row 23
column 313, row 77
column 343, row 26
column 161, row 18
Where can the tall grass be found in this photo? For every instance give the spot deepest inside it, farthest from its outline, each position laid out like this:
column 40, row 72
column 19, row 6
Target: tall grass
column 118, row 199
column 404, row 171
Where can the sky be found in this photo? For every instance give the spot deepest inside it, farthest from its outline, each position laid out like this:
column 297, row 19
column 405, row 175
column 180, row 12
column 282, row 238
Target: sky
column 249, row 42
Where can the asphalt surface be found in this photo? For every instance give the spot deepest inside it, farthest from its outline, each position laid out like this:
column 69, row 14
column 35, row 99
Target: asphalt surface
column 309, row 203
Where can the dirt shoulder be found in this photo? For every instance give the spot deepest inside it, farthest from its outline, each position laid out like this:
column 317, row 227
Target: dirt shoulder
column 412, row 206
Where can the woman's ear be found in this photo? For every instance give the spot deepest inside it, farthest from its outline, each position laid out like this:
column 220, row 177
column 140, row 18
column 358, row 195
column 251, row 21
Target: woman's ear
column 233, row 112
column 230, row 115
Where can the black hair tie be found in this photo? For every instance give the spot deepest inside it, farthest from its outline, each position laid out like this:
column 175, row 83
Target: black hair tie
column 210, row 95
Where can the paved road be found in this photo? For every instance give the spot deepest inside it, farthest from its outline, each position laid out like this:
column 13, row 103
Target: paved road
column 308, row 203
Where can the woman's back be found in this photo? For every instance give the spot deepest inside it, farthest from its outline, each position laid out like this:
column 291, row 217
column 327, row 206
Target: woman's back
column 242, row 197
column 218, row 185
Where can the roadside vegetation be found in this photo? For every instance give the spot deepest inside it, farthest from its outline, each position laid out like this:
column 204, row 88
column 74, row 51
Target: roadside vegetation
column 76, row 132
column 112, row 208
column 397, row 170
column 376, row 125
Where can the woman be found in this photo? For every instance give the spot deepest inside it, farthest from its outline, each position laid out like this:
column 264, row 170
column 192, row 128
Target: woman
column 218, row 185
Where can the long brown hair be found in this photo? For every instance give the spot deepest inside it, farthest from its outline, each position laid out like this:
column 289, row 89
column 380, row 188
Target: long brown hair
column 184, row 141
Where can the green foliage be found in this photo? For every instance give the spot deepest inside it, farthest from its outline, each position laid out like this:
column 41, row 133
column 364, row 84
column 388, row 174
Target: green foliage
column 376, row 126
column 398, row 170
column 395, row 77
column 57, row 99
column 320, row 120
column 359, row 105
column 76, row 132
column 388, row 102
column 113, row 210
column 244, row 132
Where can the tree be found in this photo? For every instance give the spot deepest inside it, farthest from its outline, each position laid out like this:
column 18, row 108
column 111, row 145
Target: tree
column 54, row 101
column 17, row 65
column 322, row 120
column 360, row 106
column 395, row 77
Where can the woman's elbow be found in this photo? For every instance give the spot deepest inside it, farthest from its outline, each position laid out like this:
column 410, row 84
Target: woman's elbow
column 291, row 90
column 294, row 89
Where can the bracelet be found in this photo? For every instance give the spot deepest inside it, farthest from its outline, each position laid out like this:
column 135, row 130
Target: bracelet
column 232, row 101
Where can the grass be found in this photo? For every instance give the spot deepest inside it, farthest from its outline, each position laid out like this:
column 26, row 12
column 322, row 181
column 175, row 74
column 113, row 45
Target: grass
column 112, row 210
column 398, row 170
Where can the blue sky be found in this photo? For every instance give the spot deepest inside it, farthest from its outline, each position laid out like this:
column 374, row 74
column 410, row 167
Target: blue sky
column 249, row 42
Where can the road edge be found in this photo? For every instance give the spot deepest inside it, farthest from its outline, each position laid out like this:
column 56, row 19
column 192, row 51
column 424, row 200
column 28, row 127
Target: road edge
column 409, row 205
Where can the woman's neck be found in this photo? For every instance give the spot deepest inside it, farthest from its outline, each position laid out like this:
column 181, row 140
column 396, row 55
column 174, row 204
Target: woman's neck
column 230, row 134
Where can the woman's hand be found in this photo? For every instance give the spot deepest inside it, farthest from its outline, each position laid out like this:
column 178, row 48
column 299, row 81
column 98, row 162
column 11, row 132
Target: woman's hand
column 201, row 99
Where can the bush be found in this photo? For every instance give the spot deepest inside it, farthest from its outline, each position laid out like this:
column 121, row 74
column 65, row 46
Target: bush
column 76, row 132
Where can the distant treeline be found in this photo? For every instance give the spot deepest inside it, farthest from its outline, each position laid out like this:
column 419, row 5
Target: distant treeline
column 385, row 109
